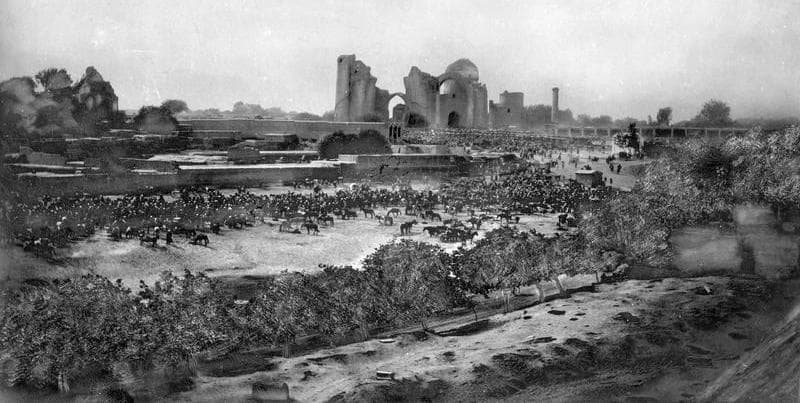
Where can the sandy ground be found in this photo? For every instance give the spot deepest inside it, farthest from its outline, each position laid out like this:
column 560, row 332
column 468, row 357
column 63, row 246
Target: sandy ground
column 254, row 251
column 640, row 340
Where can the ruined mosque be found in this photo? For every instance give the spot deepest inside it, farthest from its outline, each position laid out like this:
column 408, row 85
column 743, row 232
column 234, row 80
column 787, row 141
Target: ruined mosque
column 455, row 98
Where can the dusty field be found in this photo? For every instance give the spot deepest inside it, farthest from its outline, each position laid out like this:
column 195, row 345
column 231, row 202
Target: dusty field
column 254, row 251
column 641, row 340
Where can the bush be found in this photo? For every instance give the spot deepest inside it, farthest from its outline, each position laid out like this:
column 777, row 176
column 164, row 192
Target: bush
column 366, row 142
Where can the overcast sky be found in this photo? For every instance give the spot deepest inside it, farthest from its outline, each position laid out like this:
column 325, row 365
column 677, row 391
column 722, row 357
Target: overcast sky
column 609, row 57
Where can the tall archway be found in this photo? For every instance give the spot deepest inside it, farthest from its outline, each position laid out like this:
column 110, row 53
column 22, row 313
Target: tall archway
column 453, row 119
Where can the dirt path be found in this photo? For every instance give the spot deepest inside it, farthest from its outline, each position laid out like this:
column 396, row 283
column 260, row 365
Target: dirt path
column 612, row 344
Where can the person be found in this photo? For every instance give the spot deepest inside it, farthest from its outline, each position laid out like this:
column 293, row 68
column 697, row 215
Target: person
column 619, row 166
column 169, row 237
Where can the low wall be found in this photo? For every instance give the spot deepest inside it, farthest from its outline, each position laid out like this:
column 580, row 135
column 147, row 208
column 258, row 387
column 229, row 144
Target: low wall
column 223, row 176
column 138, row 163
column 306, row 130
column 249, row 175
column 379, row 166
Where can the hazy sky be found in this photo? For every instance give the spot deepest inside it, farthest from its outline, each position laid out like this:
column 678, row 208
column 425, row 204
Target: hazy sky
column 609, row 57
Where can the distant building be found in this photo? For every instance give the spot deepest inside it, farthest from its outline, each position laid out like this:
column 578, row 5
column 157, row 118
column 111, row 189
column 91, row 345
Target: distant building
column 507, row 112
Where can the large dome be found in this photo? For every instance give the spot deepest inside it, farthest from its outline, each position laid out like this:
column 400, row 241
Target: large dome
column 465, row 68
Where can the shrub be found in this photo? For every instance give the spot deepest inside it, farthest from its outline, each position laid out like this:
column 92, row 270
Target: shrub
column 366, row 142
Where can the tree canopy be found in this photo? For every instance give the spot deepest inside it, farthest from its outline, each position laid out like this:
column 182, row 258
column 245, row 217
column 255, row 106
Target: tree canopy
column 365, row 142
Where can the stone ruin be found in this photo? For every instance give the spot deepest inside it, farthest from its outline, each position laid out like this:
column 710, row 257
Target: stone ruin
column 455, row 98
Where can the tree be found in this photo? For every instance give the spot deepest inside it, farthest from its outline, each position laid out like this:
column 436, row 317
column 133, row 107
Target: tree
column 55, row 332
column 416, row 279
column 714, row 113
column 367, row 141
column 154, row 119
column 600, row 121
column 327, row 116
column 175, row 106
column 355, row 299
column 628, row 139
column 307, row 116
column 664, row 116
column 53, row 78
column 504, row 260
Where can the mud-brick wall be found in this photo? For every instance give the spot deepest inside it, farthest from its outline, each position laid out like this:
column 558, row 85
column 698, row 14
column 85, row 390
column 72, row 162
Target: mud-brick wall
column 249, row 176
column 306, row 130
column 231, row 177
column 99, row 184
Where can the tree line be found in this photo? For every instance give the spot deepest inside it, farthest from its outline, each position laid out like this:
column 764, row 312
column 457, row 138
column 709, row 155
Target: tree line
column 51, row 332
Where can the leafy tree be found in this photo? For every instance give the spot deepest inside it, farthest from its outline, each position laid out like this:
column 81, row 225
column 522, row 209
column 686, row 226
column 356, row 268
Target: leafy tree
column 505, row 259
column 307, row 116
column 53, row 78
column 366, row 142
column 175, row 106
column 664, row 116
column 757, row 166
column 355, row 297
column 629, row 138
column 714, row 113
column 155, row 119
column 417, row 279
column 55, row 332
column 634, row 225
column 599, row 121
column 564, row 255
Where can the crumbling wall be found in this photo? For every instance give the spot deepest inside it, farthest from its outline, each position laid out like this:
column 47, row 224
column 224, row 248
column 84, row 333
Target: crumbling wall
column 357, row 95
column 421, row 91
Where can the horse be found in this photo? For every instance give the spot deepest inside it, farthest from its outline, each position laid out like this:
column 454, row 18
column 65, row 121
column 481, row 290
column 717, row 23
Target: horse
column 434, row 230
column 475, row 222
column 434, row 216
column 405, row 228
column 393, row 210
column 130, row 233
column 200, row 238
column 310, row 226
column 285, row 226
column 325, row 219
column 215, row 228
column 505, row 216
column 143, row 239
column 368, row 212
column 385, row 220
column 349, row 214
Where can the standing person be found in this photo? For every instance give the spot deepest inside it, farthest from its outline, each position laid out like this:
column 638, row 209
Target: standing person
column 619, row 167
column 169, row 237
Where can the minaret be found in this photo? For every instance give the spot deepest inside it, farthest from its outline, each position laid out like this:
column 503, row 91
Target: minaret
column 554, row 111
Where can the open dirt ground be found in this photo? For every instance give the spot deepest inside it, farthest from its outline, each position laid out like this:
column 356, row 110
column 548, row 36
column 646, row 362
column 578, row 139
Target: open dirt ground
column 254, row 251
column 659, row 340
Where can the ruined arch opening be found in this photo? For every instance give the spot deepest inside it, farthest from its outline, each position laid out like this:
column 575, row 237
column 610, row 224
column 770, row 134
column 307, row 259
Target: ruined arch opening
column 453, row 119
column 397, row 108
column 416, row 120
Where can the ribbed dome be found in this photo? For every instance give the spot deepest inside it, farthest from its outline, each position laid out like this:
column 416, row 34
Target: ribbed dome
column 465, row 68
